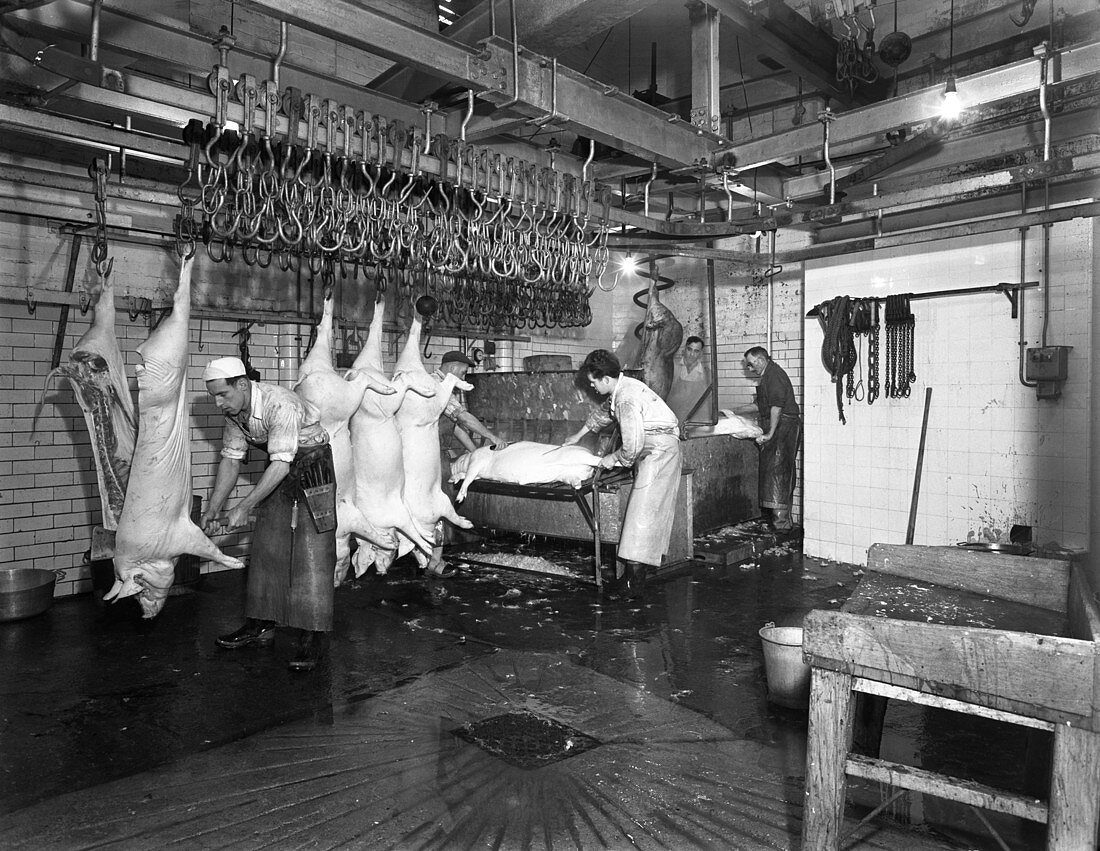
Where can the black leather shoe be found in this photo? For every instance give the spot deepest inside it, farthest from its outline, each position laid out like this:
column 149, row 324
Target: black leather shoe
column 253, row 632
column 311, row 648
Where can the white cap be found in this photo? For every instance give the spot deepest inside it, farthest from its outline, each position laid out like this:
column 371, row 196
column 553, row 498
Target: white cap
column 224, row 368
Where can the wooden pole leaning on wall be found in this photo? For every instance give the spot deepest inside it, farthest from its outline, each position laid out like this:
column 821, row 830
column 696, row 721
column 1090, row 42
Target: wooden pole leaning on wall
column 920, row 464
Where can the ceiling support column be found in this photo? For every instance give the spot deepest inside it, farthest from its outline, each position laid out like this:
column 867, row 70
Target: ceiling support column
column 705, row 108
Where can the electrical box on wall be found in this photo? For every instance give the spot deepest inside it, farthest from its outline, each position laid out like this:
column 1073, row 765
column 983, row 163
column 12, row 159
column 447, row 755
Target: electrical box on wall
column 1049, row 366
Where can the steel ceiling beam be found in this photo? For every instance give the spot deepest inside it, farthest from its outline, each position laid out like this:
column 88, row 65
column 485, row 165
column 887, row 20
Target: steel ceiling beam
column 146, row 35
column 860, row 125
column 588, row 106
column 545, row 26
column 706, row 111
column 790, row 39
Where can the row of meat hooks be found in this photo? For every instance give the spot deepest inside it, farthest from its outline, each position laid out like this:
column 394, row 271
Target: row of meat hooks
column 498, row 240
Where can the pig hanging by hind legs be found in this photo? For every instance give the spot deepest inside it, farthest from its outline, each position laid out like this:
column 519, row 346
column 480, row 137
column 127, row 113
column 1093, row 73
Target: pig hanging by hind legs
column 337, row 399
column 418, row 424
column 376, row 448
column 155, row 528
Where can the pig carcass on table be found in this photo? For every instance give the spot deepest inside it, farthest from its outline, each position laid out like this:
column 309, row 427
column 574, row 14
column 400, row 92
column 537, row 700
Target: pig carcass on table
column 378, row 458
column 155, row 528
column 418, row 424
column 98, row 378
column 337, row 399
column 524, row 463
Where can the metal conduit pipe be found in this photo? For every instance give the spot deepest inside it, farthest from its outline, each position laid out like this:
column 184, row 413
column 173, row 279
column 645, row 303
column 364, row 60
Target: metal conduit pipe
column 1044, row 108
column 1022, row 343
column 515, row 58
column 771, row 294
column 277, row 65
column 93, row 47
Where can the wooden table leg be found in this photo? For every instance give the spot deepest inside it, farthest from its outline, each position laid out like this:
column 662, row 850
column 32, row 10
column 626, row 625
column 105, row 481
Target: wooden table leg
column 1074, row 814
column 830, row 737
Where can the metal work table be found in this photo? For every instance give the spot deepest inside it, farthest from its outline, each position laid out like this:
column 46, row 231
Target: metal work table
column 586, row 497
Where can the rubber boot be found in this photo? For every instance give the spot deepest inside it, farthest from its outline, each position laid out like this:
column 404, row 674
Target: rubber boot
column 781, row 519
column 311, row 648
column 614, row 579
column 635, row 579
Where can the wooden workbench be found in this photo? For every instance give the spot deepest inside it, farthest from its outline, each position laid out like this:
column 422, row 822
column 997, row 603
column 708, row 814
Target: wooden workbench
column 1005, row 637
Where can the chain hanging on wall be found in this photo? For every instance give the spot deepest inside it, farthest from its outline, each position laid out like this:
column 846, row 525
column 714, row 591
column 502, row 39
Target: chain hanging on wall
column 499, row 241
column 900, row 332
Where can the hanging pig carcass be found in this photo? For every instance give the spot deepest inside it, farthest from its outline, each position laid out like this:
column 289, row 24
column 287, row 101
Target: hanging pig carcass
column 661, row 337
column 378, row 457
column 418, row 424
column 339, row 400
column 155, row 528
column 98, row 378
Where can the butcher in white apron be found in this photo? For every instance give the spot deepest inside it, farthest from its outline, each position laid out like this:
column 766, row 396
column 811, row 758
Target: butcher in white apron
column 651, row 445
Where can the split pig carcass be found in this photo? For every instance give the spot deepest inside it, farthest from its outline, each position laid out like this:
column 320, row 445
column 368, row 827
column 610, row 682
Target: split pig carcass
column 418, row 424
column 155, row 528
column 524, row 463
column 98, row 377
column 378, row 458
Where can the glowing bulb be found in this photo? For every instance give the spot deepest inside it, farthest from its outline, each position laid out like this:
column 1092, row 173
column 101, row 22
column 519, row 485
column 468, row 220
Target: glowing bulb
column 952, row 105
column 233, row 125
column 629, row 265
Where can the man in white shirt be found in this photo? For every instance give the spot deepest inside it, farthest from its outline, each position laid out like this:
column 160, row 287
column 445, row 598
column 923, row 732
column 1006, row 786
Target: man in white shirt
column 651, row 445
column 293, row 554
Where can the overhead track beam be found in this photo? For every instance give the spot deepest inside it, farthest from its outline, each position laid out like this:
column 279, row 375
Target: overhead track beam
column 545, row 27
column 783, row 34
column 859, row 125
column 138, row 31
column 590, row 107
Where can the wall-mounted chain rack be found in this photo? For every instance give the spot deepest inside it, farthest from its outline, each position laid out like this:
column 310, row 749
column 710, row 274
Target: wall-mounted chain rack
column 497, row 241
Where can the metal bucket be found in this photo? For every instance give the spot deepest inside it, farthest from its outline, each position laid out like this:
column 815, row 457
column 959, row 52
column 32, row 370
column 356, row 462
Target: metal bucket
column 25, row 592
column 788, row 676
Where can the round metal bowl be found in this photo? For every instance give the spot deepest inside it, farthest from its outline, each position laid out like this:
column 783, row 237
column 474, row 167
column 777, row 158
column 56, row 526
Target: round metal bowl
column 996, row 547
column 25, row 592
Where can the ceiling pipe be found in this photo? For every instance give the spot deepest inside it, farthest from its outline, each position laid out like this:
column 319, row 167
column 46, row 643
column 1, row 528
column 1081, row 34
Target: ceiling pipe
column 93, row 47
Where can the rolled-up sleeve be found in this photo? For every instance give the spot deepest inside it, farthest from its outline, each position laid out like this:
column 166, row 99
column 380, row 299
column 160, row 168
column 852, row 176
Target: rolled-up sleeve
column 233, row 443
column 454, row 409
column 281, row 420
column 600, row 418
column 632, row 428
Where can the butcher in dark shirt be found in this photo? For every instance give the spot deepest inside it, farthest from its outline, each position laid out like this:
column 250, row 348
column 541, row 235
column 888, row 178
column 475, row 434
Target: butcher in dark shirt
column 781, row 422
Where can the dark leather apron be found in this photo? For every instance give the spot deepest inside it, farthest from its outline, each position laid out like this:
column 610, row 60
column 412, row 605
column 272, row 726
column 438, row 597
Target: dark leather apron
column 290, row 573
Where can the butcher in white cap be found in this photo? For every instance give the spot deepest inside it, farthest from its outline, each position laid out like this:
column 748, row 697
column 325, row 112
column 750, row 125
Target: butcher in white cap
column 293, row 540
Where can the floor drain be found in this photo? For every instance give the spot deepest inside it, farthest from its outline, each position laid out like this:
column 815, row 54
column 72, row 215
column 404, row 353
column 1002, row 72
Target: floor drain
column 525, row 739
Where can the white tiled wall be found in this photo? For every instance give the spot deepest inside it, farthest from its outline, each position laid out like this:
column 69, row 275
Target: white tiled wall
column 995, row 454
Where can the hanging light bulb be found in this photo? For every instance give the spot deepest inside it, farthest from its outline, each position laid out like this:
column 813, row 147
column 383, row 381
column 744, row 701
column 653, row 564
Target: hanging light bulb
column 952, row 103
column 629, row 264
column 952, row 106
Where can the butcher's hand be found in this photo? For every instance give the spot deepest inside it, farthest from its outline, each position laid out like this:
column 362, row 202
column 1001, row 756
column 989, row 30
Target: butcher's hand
column 209, row 523
column 607, row 462
column 237, row 517
column 573, row 439
column 498, row 443
column 764, row 438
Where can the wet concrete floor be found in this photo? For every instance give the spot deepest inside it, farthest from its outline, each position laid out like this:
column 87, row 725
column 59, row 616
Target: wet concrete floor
column 127, row 733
